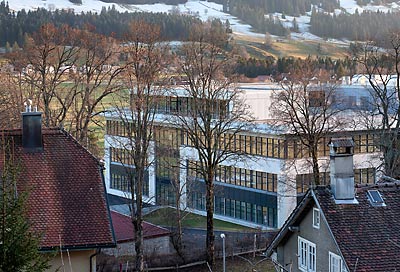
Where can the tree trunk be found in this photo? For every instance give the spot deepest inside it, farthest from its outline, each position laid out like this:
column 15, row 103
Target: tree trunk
column 137, row 221
column 210, row 219
column 314, row 155
column 178, row 232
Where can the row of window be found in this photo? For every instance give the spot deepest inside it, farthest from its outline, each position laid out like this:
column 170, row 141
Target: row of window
column 253, row 145
column 119, row 128
column 307, row 258
column 165, row 194
column 304, row 181
column 167, row 167
column 361, row 176
column 236, row 209
column 239, row 176
column 167, row 137
column 122, row 182
column 164, row 136
column 187, row 105
column 121, row 155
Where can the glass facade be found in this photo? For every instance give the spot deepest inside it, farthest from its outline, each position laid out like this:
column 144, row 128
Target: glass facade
column 239, row 176
column 364, row 176
column 121, row 178
column 361, row 176
column 304, row 181
column 236, row 209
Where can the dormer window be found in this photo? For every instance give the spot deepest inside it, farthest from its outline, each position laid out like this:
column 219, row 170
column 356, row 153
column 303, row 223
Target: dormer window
column 375, row 198
column 316, row 218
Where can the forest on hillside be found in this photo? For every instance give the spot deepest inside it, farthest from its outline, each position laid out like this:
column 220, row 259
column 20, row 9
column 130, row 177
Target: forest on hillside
column 15, row 26
column 253, row 12
column 251, row 67
column 363, row 26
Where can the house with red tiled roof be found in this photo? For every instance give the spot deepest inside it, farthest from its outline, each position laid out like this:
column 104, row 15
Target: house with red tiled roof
column 67, row 201
column 341, row 227
column 156, row 239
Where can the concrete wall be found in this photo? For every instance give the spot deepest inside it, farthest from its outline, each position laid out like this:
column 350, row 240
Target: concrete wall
column 287, row 254
column 78, row 261
column 157, row 246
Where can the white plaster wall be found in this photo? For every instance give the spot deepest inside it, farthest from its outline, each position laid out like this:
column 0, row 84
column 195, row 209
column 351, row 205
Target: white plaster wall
column 77, row 261
column 259, row 100
column 287, row 194
column 183, row 183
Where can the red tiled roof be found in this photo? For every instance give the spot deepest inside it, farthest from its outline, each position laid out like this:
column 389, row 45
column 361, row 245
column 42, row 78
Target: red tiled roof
column 124, row 229
column 67, row 202
column 368, row 236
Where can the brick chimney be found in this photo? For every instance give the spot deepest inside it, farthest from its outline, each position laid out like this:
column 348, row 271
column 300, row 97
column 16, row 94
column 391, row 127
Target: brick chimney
column 342, row 172
column 31, row 129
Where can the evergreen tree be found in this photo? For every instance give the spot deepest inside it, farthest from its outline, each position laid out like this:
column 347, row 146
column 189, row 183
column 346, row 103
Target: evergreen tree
column 8, row 47
column 18, row 244
column 295, row 26
column 15, row 47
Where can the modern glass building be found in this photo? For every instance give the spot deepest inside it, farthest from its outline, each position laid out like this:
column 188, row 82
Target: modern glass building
column 259, row 190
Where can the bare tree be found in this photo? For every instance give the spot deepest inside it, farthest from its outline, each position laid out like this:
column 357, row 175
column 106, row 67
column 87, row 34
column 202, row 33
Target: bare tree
column 145, row 60
column 213, row 114
column 95, row 79
column 49, row 57
column 304, row 108
column 11, row 98
column 380, row 64
column 180, row 191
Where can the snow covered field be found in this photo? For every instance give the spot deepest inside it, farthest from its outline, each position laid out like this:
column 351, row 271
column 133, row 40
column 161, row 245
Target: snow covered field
column 350, row 6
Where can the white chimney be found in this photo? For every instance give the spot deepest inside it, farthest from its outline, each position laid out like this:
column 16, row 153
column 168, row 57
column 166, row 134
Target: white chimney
column 342, row 172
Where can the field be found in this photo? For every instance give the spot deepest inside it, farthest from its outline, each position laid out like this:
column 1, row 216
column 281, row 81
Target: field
column 282, row 47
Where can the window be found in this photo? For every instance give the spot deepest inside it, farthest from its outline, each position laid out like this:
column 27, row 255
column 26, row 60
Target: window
column 317, row 98
column 336, row 264
column 375, row 198
column 364, row 175
column 316, row 218
column 307, row 255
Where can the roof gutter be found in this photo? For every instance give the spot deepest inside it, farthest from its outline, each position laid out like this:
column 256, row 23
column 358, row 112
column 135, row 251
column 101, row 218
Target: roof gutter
column 101, row 169
column 77, row 247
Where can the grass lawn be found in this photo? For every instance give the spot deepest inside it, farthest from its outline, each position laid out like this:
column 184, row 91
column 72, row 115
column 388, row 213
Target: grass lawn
column 167, row 217
column 283, row 47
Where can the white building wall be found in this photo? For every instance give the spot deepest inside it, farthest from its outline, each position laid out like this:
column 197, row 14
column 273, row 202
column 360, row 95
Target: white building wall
column 258, row 97
column 182, row 184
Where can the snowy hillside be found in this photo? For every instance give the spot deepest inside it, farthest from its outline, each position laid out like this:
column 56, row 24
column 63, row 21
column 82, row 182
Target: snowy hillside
column 202, row 9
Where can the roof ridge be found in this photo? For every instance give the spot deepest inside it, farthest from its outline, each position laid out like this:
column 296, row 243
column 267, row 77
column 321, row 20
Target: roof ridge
column 383, row 185
column 74, row 140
